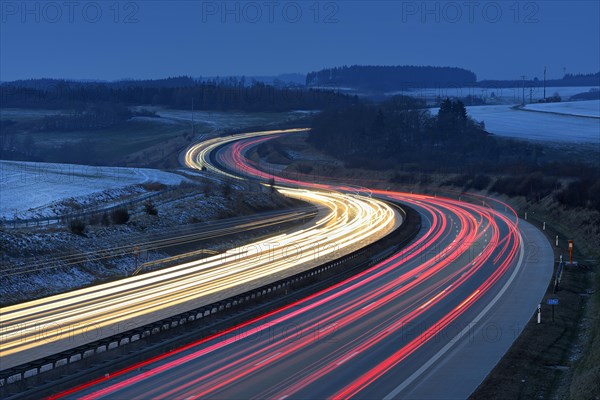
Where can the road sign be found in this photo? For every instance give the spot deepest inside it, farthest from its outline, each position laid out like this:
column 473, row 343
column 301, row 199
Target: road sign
column 552, row 302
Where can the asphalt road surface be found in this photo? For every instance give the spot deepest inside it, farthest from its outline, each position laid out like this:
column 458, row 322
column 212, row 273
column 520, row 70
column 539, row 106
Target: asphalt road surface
column 47, row 326
column 429, row 322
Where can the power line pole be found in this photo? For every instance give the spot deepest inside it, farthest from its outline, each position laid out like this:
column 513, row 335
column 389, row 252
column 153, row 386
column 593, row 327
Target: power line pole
column 523, row 78
column 530, row 95
column 544, row 84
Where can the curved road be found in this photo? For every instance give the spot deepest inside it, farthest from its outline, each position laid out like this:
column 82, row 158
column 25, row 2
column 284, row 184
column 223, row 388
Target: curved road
column 40, row 328
column 428, row 322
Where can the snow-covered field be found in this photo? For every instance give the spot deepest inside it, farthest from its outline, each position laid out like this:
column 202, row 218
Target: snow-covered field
column 183, row 212
column 226, row 120
column 494, row 95
column 504, row 120
column 21, row 114
column 168, row 121
column 32, row 190
column 587, row 108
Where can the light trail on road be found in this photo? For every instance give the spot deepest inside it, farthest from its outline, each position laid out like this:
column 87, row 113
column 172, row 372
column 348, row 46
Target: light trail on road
column 182, row 236
column 359, row 338
column 39, row 328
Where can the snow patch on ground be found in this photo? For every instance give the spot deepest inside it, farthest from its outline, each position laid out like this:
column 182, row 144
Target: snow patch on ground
column 32, row 260
column 222, row 120
column 587, row 108
column 32, row 189
column 505, row 120
column 22, row 114
column 155, row 119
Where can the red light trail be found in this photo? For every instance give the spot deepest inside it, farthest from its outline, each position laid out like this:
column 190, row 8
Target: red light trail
column 461, row 256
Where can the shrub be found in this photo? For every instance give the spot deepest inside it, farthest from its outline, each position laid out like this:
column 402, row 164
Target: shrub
column 459, row 181
column 480, row 182
column 94, row 219
column 533, row 186
column 593, row 195
column 77, row 226
column 120, row 215
column 403, row 178
column 208, row 189
column 153, row 186
column 425, row 180
column 150, row 208
column 374, row 163
column 304, row 168
column 226, row 189
column 577, row 193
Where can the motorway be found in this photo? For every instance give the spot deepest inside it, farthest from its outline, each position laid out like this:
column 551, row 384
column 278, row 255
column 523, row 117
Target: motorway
column 429, row 322
column 40, row 328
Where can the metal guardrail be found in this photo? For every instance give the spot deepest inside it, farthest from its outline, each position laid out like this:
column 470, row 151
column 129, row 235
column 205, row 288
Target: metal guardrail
column 25, row 376
column 150, row 264
column 24, row 223
column 558, row 276
column 64, row 218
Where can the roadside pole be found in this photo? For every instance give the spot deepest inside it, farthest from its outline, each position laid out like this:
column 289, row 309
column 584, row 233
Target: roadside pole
column 570, row 252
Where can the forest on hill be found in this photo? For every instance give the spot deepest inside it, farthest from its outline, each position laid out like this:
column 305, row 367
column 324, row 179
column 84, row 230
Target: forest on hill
column 390, row 78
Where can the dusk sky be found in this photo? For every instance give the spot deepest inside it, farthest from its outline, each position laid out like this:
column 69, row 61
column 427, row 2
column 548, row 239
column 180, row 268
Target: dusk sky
column 154, row 39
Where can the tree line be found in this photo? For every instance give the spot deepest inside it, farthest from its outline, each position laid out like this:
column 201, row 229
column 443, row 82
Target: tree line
column 399, row 134
column 179, row 93
column 402, row 131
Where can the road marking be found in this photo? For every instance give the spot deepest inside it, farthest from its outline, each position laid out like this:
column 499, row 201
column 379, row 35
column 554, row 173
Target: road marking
column 431, row 300
column 468, row 299
column 266, row 359
column 393, row 326
column 462, row 333
column 328, row 327
column 347, row 358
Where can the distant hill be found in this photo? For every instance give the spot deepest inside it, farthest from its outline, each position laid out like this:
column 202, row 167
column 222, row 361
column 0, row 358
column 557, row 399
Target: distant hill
column 592, row 94
column 390, row 78
column 397, row 78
